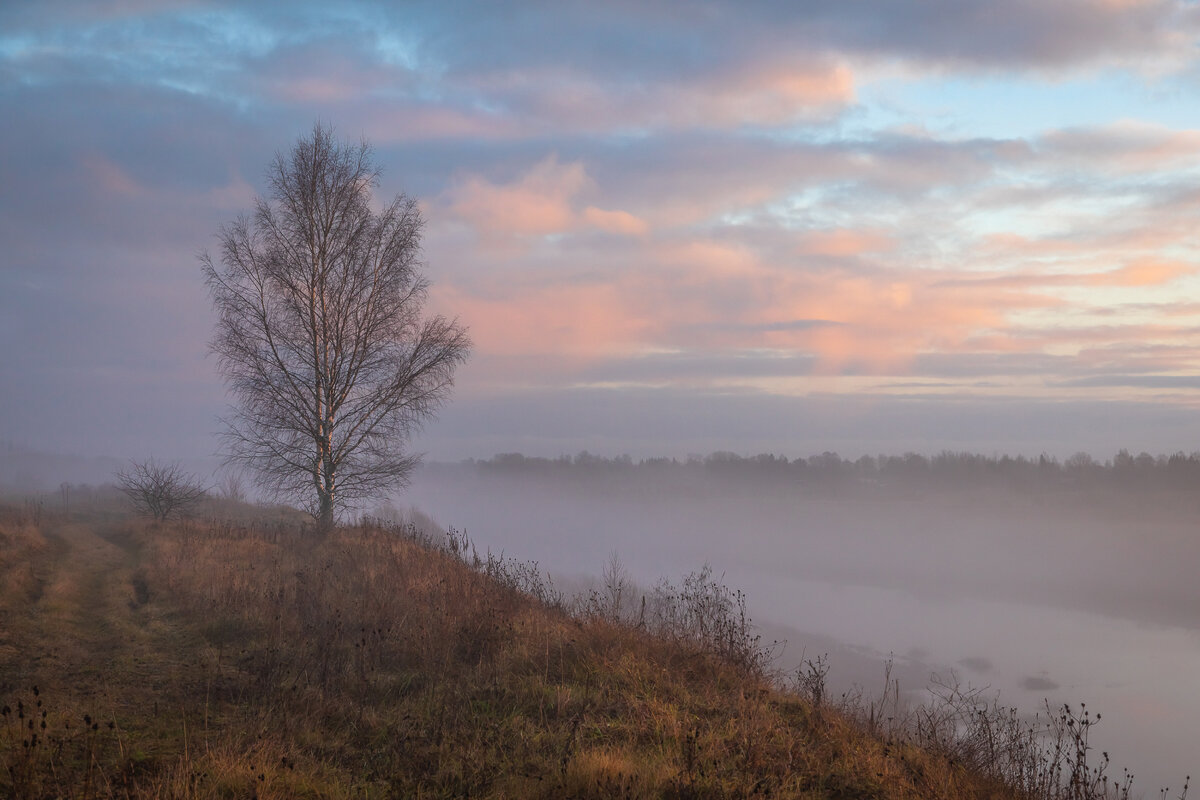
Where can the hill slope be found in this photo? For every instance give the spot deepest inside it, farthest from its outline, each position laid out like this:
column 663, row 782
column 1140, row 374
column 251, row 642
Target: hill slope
column 234, row 660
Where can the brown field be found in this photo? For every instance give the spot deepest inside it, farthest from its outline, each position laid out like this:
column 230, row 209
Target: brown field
column 227, row 659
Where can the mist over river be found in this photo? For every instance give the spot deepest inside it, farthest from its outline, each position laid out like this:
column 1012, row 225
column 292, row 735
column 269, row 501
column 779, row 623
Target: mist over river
column 1067, row 593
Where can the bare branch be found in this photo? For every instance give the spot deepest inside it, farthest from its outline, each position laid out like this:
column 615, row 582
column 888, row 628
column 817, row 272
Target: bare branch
column 159, row 490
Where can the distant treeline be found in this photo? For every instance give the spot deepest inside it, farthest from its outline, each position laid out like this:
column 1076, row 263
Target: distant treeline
column 1180, row 470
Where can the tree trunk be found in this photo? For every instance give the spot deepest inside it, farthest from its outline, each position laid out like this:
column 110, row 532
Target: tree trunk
column 325, row 520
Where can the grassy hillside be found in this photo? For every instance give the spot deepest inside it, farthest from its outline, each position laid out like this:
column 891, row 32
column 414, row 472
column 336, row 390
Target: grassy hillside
column 237, row 659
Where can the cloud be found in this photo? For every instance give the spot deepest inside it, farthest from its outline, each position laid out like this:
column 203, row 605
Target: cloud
column 1138, row 273
column 1012, row 34
column 628, row 194
column 1124, row 147
column 631, row 70
column 537, row 203
column 1140, row 381
column 844, row 242
column 107, row 177
column 332, row 83
column 621, row 222
column 850, row 257
column 663, row 46
column 704, row 293
column 1038, row 683
column 770, row 94
column 567, row 321
column 1146, row 273
column 708, row 280
column 415, row 121
column 540, row 202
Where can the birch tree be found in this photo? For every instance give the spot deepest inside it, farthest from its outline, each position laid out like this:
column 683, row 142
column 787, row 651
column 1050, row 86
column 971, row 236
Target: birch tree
column 321, row 334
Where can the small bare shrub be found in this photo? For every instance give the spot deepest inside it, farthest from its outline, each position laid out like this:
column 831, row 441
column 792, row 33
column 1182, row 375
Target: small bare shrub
column 609, row 600
column 1048, row 757
column 810, row 680
column 232, row 486
column 525, row 577
column 616, row 586
column 159, row 490
column 704, row 612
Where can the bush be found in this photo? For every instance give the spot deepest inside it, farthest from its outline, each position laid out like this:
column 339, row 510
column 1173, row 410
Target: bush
column 159, row 490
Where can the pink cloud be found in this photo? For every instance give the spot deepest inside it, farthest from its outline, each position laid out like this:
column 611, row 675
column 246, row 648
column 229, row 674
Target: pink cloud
column 844, row 242
column 1138, row 273
column 772, row 93
column 536, row 204
column 621, row 222
column 572, row 322
column 883, row 321
column 727, row 295
column 1147, row 272
column 701, row 260
column 108, row 177
column 861, row 290
column 541, row 202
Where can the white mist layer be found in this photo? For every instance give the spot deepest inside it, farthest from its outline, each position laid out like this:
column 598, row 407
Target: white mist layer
column 1035, row 595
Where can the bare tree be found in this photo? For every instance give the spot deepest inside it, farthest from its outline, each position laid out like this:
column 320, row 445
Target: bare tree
column 616, row 586
column 321, row 336
column 232, row 486
column 159, row 489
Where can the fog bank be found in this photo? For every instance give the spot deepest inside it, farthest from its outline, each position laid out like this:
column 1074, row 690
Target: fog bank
column 1068, row 582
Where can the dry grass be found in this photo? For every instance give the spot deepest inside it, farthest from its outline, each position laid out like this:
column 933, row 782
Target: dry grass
column 209, row 660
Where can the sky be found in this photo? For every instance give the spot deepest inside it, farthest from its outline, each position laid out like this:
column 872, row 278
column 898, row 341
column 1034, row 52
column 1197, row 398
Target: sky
column 671, row 228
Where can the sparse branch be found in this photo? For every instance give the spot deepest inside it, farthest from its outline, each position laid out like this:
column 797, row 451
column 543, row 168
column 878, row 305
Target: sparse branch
column 160, row 490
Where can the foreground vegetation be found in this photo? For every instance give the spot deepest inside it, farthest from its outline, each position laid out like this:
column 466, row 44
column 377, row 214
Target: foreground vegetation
column 252, row 659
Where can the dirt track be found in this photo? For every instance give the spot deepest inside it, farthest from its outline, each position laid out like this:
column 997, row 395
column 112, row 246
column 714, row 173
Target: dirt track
column 71, row 615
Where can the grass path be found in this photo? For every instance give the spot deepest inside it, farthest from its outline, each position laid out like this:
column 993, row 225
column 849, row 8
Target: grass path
column 80, row 609
column 79, row 627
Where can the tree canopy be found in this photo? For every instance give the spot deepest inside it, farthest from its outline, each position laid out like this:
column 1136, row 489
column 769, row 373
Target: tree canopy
column 321, row 334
